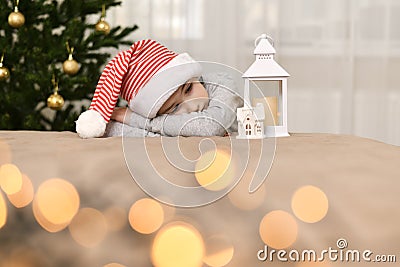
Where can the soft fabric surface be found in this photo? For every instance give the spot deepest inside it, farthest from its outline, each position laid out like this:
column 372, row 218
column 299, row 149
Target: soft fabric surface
column 360, row 177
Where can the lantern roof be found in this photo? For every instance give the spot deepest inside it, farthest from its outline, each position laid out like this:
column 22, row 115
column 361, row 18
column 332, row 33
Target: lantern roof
column 264, row 47
column 265, row 66
column 262, row 68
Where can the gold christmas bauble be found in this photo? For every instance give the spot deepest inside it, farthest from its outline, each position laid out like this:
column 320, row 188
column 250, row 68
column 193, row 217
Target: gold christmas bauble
column 103, row 26
column 70, row 66
column 16, row 19
column 4, row 73
column 55, row 101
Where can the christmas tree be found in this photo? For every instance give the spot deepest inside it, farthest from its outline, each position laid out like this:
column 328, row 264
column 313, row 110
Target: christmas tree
column 51, row 53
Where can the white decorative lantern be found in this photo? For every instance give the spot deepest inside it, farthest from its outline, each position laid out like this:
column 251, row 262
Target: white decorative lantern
column 264, row 72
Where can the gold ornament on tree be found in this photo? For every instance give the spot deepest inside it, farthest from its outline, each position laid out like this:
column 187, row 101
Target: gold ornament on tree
column 55, row 101
column 4, row 72
column 102, row 26
column 16, row 19
column 70, row 66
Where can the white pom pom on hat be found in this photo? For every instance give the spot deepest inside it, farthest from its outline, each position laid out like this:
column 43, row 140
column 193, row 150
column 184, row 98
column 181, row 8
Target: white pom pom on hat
column 145, row 75
column 90, row 124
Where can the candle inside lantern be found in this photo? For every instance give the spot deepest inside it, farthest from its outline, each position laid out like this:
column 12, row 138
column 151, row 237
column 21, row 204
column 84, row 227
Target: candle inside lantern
column 270, row 104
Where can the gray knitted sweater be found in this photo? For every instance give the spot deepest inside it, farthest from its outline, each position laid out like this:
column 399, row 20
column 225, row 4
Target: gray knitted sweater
column 218, row 119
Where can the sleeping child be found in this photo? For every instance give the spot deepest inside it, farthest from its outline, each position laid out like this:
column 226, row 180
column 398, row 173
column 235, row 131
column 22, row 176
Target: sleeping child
column 166, row 94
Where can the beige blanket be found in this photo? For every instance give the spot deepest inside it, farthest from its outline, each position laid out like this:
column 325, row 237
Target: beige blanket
column 360, row 179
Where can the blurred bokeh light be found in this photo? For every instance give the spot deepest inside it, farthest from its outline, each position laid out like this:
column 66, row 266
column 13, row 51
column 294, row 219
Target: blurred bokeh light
column 278, row 229
column 24, row 196
column 10, row 178
column 219, row 251
column 43, row 222
column 310, row 204
column 214, row 170
column 178, row 244
column 3, row 211
column 57, row 200
column 146, row 216
column 88, row 228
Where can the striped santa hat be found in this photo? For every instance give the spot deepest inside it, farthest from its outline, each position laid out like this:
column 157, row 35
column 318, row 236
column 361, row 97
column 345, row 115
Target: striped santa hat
column 145, row 75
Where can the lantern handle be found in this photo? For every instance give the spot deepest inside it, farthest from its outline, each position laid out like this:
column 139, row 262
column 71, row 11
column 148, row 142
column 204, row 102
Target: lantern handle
column 264, row 36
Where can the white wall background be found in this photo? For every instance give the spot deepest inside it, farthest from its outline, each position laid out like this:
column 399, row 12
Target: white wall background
column 343, row 55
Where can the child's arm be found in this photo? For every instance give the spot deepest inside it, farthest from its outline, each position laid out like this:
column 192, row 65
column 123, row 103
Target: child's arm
column 214, row 121
column 127, row 123
column 121, row 114
column 127, row 116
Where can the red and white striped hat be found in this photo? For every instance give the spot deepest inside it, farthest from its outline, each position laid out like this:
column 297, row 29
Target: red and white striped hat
column 145, row 75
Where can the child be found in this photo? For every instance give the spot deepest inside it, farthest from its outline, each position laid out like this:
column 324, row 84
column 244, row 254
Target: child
column 157, row 82
column 216, row 118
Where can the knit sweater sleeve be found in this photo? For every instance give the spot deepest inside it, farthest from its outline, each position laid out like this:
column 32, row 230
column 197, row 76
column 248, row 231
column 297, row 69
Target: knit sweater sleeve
column 213, row 121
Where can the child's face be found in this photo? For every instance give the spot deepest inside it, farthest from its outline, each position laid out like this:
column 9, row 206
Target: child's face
column 190, row 97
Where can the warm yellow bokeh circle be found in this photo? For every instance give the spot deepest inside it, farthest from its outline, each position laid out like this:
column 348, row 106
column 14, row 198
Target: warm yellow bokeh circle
column 214, row 170
column 310, row 204
column 219, row 251
column 3, row 211
column 57, row 200
column 24, row 196
column 278, row 229
column 88, row 228
column 178, row 244
column 43, row 222
column 10, row 179
column 146, row 216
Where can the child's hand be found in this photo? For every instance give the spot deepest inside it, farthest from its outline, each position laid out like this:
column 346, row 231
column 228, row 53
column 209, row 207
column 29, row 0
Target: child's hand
column 119, row 114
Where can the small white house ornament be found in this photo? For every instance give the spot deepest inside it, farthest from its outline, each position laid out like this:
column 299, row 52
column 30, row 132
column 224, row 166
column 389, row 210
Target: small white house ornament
column 251, row 122
column 251, row 118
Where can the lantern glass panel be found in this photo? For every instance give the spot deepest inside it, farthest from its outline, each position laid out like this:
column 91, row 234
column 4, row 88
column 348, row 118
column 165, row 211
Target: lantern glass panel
column 267, row 92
